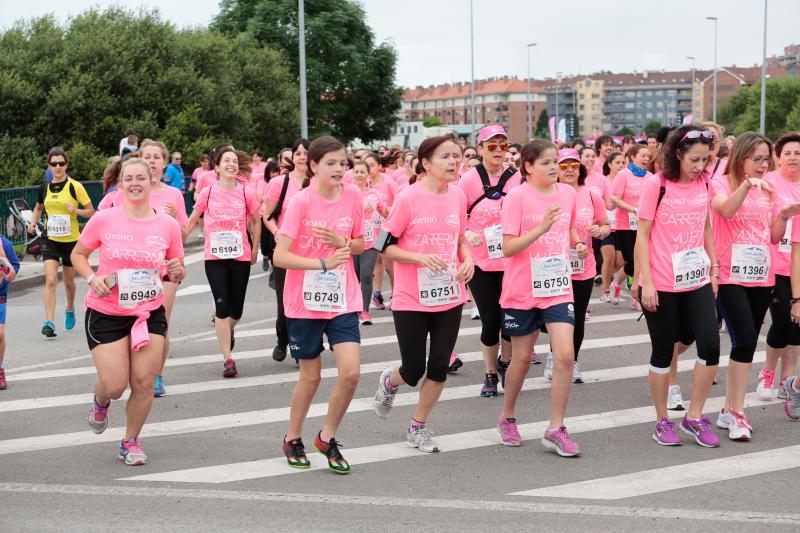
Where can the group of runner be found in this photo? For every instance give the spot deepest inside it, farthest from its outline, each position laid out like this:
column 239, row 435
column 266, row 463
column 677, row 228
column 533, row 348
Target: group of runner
column 696, row 239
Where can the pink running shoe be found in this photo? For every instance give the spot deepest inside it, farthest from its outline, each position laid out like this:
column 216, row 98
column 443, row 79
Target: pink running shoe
column 560, row 442
column 98, row 417
column 455, row 363
column 616, row 290
column 764, row 388
column 509, row 434
column 130, row 452
column 366, row 320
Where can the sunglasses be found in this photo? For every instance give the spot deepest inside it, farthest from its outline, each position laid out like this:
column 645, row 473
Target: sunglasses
column 494, row 146
column 574, row 166
column 696, row 134
column 57, row 163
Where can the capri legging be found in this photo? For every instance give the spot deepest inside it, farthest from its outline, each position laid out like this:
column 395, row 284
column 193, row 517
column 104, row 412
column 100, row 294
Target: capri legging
column 743, row 309
column 581, row 293
column 783, row 332
column 228, row 281
column 365, row 271
column 625, row 241
column 486, row 287
column 680, row 310
column 413, row 328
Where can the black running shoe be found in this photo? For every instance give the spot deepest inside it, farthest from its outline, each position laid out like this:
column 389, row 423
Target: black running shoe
column 330, row 449
column 296, row 453
column 279, row 353
column 501, row 370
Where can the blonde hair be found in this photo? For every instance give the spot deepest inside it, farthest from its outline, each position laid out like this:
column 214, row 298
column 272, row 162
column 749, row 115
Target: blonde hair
column 157, row 144
column 743, row 147
column 709, row 125
column 134, row 161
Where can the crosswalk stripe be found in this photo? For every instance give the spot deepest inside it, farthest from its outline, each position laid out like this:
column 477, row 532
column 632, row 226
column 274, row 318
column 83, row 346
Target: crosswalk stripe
column 204, row 287
column 281, row 414
column 400, row 450
column 674, row 477
column 272, row 379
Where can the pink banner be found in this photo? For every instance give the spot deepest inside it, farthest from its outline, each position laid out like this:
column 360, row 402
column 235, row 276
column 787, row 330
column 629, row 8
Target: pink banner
column 551, row 123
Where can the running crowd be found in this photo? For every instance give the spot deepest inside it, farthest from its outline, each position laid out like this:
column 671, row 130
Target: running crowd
column 701, row 233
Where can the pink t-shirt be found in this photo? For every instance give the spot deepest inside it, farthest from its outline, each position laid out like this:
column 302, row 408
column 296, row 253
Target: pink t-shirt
column 678, row 227
column 205, row 179
column 128, row 243
column 347, row 177
column 306, row 210
column 226, row 212
column 274, row 189
column 158, row 200
column 486, row 215
column 387, row 190
column 257, row 173
column 748, row 232
column 721, row 169
column 370, row 199
column 589, row 209
column 428, row 223
column 523, row 210
column 786, row 192
column 196, row 174
column 627, row 187
column 601, row 183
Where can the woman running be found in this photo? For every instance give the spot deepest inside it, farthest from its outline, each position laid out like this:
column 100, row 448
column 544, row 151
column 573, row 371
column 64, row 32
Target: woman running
column 365, row 263
column 321, row 229
column 538, row 232
column 277, row 197
column 9, row 268
column 60, row 202
column 387, row 190
column 612, row 259
column 231, row 216
column 674, row 256
column 424, row 234
column 742, row 222
column 125, row 319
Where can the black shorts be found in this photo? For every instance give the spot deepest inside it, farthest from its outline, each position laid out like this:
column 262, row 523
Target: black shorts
column 55, row 251
column 104, row 329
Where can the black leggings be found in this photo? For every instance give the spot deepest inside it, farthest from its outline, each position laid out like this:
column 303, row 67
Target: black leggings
column 677, row 311
column 486, row 287
column 228, row 281
column 625, row 241
column 281, row 328
column 598, row 255
column 783, row 332
column 581, row 293
column 413, row 328
column 743, row 309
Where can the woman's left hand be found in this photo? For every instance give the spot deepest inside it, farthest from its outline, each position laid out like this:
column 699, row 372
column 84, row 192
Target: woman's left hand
column 329, row 237
column 466, row 270
column 582, row 250
column 175, row 270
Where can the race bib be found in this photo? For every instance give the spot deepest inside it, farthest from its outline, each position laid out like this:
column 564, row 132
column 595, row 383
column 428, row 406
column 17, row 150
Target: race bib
column 577, row 265
column 633, row 221
column 138, row 285
column 493, row 235
column 438, row 288
column 550, row 276
column 612, row 218
column 785, row 245
column 369, row 231
column 377, row 221
column 59, row 225
column 325, row 291
column 749, row 263
column 690, row 269
column 227, row 244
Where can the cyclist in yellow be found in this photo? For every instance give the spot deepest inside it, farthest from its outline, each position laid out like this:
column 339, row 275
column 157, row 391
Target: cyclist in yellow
column 60, row 202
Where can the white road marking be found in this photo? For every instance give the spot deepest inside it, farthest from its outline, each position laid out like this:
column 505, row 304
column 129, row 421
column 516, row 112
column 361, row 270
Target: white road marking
column 201, row 288
column 107, row 491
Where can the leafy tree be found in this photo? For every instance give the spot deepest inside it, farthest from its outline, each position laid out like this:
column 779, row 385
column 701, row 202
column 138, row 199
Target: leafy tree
column 431, row 121
column 652, row 127
column 350, row 79
column 625, row 130
column 542, row 126
column 742, row 111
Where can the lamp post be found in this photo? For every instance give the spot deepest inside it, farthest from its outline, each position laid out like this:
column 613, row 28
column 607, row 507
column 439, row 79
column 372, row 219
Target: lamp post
column 530, row 130
column 301, row 30
column 714, row 96
column 472, row 69
column 693, row 81
column 763, row 121
column 558, row 83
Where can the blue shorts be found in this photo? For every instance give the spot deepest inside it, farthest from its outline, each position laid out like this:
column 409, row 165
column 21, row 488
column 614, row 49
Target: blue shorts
column 305, row 334
column 3, row 310
column 518, row 322
column 608, row 241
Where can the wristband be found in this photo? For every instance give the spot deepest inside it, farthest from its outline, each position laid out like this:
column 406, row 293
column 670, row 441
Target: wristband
column 324, row 266
column 795, row 300
column 90, row 279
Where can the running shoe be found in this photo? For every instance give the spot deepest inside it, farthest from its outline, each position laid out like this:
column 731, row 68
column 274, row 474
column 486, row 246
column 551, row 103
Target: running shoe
column 560, row 442
column 475, row 314
column 265, row 264
column 384, row 398
column 635, row 306
column 509, row 434
column 605, row 297
column 629, row 282
column 279, row 353
column 296, row 453
column 377, row 301
column 455, row 363
column 616, row 290
column 489, row 389
column 548, row 367
column 701, row 431
column 781, row 394
column 598, row 279
column 158, row 387
column 501, row 370
column 766, row 378
column 665, row 433
column 3, row 382
column 737, row 424
column 536, row 359
column 98, row 417
column 577, row 377
column 229, row 369
column 588, row 315
column 330, row 449
column 366, row 320
column 69, row 319
column 674, row 398
column 422, row 439
column 792, row 403
column 49, row 329
column 130, row 452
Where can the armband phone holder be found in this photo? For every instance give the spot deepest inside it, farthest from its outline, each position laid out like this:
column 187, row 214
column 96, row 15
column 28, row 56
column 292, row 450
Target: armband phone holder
column 384, row 240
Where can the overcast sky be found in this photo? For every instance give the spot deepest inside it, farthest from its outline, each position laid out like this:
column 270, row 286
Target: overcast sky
column 432, row 36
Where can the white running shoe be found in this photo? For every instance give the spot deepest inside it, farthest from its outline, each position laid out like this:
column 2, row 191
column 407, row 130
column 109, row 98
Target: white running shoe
column 674, row 398
column 764, row 389
column 548, row 367
column 475, row 314
column 421, row 439
column 577, row 377
column 384, row 399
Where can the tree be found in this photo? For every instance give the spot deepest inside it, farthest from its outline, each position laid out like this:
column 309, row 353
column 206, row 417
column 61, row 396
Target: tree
column 351, row 91
column 542, row 126
column 742, row 111
column 652, row 127
column 625, row 130
column 431, row 121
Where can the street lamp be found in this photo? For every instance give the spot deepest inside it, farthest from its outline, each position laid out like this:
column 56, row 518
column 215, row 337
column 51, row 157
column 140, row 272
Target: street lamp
column 714, row 97
column 530, row 131
column 558, row 83
column 472, row 69
column 301, row 30
column 763, row 121
column 693, row 81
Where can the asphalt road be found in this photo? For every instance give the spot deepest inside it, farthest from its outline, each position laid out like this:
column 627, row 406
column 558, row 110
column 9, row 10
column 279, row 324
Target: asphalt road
column 215, row 461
